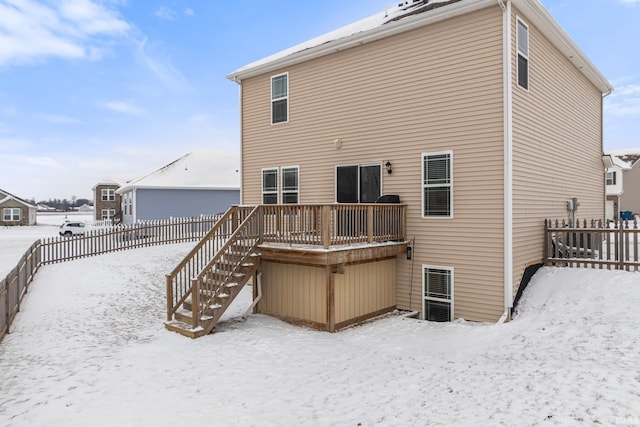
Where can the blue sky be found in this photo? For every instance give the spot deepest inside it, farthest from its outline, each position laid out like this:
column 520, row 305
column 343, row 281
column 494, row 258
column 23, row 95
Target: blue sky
column 117, row 88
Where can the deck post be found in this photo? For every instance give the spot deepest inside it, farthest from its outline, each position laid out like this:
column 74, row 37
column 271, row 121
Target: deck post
column 169, row 297
column 331, row 309
column 326, row 224
column 370, row 224
column 195, row 303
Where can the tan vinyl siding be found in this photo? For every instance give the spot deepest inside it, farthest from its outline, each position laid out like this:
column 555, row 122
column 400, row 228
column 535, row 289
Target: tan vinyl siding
column 294, row 291
column 557, row 146
column 365, row 288
column 630, row 198
column 431, row 89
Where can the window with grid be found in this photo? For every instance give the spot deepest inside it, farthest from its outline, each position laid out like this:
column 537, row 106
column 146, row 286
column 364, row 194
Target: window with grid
column 437, row 194
column 438, row 294
column 280, row 98
column 270, row 186
column 523, row 54
column 108, row 195
column 108, row 213
column 290, row 184
column 11, row 214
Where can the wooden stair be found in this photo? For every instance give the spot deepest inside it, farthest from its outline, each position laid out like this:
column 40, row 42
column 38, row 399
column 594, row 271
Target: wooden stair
column 217, row 285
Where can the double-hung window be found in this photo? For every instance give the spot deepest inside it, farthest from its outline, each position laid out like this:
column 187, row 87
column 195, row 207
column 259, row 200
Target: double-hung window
column 290, row 184
column 108, row 213
column 437, row 291
column 108, row 195
column 270, row 186
column 11, row 214
column 437, row 184
column 523, row 54
column 611, row 178
column 280, row 98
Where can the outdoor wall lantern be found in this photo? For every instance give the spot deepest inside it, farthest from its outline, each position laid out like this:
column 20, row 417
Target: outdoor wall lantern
column 388, row 165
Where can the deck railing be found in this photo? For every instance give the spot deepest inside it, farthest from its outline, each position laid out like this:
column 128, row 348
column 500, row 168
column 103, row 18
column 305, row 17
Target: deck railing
column 15, row 285
column 596, row 244
column 334, row 224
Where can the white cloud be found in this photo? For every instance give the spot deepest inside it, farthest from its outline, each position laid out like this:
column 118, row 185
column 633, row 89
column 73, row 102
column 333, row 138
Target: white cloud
column 188, row 12
column 625, row 101
column 161, row 66
column 44, row 161
column 72, row 29
column 124, row 107
column 631, row 2
column 167, row 13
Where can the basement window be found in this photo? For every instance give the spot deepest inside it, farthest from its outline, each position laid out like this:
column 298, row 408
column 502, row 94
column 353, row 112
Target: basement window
column 437, row 291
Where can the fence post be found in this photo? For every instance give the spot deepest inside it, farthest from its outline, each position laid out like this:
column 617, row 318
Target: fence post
column 546, row 243
column 621, row 253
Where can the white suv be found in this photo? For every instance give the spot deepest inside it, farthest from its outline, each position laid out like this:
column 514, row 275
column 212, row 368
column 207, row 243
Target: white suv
column 72, row 228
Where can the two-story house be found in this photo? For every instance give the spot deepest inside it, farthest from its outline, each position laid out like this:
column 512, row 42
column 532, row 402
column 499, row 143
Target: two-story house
column 623, row 182
column 482, row 115
column 614, row 179
column 106, row 201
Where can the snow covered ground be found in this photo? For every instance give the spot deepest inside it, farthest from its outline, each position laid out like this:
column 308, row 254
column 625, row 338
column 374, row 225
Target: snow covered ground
column 89, row 349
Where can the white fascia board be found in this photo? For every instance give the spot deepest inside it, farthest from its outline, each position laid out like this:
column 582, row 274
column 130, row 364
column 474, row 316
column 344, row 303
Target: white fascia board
column 173, row 187
column 357, row 39
column 542, row 19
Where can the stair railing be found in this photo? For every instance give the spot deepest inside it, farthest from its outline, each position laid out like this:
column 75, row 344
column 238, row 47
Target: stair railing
column 178, row 282
column 211, row 281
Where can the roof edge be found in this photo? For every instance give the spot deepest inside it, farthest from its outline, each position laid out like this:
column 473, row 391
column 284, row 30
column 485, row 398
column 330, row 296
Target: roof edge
column 126, row 188
column 533, row 9
column 383, row 31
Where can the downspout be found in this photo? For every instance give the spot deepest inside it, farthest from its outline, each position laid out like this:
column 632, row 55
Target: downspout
column 505, row 5
column 239, row 83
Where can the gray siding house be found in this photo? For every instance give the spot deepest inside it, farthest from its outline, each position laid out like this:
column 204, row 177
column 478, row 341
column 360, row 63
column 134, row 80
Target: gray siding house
column 204, row 182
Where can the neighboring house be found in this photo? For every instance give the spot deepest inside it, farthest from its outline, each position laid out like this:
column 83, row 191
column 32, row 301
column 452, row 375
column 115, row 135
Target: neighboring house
column 85, row 208
column 614, row 186
column 204, row 182
column 106, row 202
column 16, row 211
column 483, row 116
column 630, row 180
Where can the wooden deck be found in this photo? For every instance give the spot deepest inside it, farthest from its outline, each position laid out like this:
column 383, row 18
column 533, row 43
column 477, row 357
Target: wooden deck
column 328, row 239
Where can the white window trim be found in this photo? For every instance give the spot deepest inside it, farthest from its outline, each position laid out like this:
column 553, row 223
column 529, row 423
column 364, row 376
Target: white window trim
column 279, row 99
column 262, row 192
column 422, row 184
column 110, row 213
column 359, row 165
column 613, row 178
column 518, row 52
column 424, row 298
column 108, row 195
column 4, row 210
column 281, row 186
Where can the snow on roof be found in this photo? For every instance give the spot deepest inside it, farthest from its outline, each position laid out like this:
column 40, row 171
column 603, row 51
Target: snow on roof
column 411, row 14
column 627, row 156
column 394, row 14
column 201, row 169
column 9, row 196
